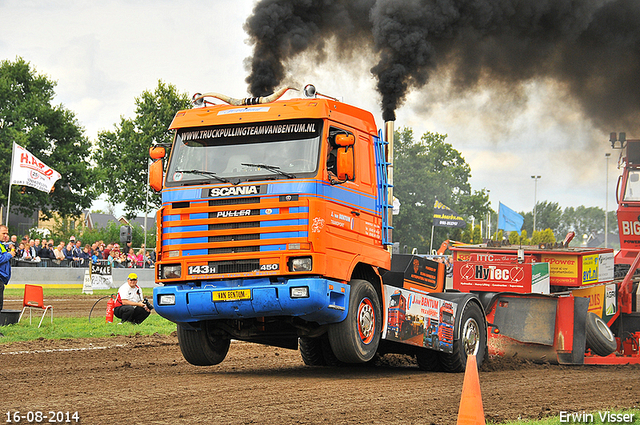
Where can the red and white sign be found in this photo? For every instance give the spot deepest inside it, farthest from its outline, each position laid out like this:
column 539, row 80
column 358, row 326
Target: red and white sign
column 500, row 277
column 27, row 170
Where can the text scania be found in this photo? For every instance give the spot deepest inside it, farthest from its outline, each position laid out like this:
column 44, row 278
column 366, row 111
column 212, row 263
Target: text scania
column 234, row 191
column 253, row 130
column 491, row 273
column 631, row 227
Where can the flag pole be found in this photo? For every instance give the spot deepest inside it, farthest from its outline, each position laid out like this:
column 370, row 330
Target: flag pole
column 431, row 245
column 146, row 213
column 435, row 202
column 13, row 148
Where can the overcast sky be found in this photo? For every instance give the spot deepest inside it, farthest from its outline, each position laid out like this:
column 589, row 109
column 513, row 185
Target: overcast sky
column 104, row 54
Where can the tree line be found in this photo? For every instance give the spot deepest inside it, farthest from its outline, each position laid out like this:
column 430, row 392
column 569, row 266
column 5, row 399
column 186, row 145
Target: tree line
column 430, row 168
column 116, row 165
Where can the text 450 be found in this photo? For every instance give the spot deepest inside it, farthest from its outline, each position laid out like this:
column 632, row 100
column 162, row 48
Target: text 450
column 39, row 417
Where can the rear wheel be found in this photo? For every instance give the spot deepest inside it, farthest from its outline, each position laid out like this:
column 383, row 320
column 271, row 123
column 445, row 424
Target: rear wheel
column 201, row 348
column 599, row 337
column 472, row 341
column 356, row 339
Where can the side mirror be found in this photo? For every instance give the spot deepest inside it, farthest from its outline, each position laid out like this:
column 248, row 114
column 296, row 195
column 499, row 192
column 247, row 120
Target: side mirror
column 155, row 175
column 157, row 152
column 345, row 163
column 344, row 140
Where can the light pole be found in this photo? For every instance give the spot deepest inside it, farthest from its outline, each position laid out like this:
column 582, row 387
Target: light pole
column 535, row 201
column 489, row 216
column 606, row 204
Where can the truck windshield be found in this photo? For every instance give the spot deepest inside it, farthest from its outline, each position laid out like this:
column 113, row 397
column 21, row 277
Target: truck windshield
column 632, row 190
column 244, row 152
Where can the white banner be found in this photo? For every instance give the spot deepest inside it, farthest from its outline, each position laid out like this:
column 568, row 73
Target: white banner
column 27, row 170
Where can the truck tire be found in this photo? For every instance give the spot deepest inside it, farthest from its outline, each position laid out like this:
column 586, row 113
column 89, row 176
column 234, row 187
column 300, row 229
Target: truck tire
column 472, row 340
column 317, row 352
column 200, row 348
column 311, row 351
column 356, row 338
column 599, row 337
column 428, row 360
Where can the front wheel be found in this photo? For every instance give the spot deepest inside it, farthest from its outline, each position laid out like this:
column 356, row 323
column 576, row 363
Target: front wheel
column 472, row 340
column 201, row 348
column 356, row 338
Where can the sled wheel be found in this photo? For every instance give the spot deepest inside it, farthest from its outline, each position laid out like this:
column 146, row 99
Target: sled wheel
column 599, row 337
column 356, row 339
column 201, row 348
column 472, row 340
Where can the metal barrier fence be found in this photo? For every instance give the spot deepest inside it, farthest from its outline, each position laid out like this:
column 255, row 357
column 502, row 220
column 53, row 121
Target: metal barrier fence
column 48, row 262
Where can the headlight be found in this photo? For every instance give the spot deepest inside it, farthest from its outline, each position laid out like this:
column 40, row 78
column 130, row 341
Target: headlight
column 166, row 299
column 300, row 264
column 300, row 292
column 171, row 272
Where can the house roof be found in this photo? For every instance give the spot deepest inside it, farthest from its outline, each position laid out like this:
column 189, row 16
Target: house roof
column 151, row 221
column 99, row 220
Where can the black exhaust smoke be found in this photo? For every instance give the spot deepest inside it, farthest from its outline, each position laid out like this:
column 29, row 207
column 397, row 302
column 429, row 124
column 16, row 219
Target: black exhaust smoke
column 591, row 47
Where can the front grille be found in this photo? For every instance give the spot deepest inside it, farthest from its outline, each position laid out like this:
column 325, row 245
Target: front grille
column 232, row 238
column 236, row 266
column 234, row 201
column 235, row 250
column 240, row 225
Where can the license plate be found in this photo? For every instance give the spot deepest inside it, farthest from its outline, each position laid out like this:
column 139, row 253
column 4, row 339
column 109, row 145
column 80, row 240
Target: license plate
column 232, row 295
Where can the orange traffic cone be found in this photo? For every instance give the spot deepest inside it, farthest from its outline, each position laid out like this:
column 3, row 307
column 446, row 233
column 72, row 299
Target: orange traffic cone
column 471, row 411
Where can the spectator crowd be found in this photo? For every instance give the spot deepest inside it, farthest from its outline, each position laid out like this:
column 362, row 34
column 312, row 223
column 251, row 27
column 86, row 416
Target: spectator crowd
column 43, row 253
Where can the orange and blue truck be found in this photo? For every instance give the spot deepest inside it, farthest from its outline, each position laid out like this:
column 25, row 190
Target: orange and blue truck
column 275, row 228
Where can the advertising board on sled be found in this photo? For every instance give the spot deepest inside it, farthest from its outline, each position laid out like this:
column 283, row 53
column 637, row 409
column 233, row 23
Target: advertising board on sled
column 418, row 319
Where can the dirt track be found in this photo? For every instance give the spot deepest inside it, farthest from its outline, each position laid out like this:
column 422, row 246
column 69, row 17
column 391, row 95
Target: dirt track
column 267, row 385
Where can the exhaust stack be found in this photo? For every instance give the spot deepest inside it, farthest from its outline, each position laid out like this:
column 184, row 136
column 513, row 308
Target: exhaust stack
column 198, row 99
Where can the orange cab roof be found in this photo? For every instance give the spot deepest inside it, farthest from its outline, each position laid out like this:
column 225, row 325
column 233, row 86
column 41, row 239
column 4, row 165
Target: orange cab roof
column 276, row 111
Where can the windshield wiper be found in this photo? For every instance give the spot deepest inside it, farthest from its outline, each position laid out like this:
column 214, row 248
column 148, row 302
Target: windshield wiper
column 204, row 173
column 271, row 168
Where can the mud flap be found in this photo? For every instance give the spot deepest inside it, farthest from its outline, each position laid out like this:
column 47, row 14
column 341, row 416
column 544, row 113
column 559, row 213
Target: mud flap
column 526, row 319
column 573, row 354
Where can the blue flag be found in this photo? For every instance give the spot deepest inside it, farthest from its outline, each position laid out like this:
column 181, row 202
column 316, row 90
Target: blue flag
column 508, row 219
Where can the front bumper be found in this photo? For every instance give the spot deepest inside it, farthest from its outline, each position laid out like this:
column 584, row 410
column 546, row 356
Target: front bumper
column 327, row 302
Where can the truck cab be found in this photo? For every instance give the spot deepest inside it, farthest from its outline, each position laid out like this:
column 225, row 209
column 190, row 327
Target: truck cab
column 628, row 199
column 275, row 228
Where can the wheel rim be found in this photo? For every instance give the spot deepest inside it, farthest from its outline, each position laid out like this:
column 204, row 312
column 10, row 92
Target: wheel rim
column 471, row 337
column 604, row 329
column 366, row 320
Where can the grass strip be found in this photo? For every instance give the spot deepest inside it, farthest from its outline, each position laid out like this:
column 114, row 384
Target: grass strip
column 80, row 327
column 601, row 417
